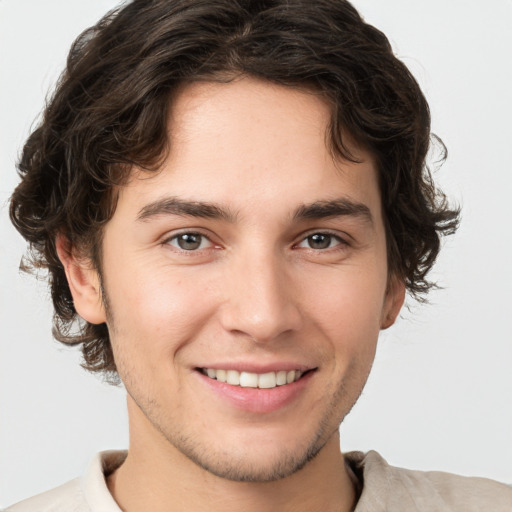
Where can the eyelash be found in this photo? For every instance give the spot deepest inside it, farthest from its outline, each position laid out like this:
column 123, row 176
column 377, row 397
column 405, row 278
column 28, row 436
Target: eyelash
column 202, row 236
column 331, row 236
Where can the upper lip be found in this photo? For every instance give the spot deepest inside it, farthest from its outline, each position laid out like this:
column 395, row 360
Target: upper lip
column 252, row 367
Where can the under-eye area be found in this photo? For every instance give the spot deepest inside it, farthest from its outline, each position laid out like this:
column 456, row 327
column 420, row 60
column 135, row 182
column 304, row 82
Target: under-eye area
column 266, row 380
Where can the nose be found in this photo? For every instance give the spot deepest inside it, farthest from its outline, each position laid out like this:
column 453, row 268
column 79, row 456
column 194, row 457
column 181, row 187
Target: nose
column 260, row 299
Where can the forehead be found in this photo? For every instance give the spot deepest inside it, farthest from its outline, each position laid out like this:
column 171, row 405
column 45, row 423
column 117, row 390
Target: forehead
column 250, row 143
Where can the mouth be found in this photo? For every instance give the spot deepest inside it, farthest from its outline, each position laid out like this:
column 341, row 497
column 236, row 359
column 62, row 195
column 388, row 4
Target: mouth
column 244, row 379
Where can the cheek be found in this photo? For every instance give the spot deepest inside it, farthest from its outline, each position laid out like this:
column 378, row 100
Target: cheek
column 349, row 306
column 156, row 310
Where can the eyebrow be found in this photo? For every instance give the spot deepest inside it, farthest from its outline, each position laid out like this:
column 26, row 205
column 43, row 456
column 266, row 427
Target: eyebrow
column 176, row 206
column 317, row 210
column 333, row 208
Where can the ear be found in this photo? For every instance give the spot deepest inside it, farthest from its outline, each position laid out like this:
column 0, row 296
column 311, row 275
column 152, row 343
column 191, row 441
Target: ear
column 83, row 281
column 393, row 302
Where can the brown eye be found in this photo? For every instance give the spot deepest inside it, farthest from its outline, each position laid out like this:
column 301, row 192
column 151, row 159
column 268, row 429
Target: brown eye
column 189, row 241
column 319, row 241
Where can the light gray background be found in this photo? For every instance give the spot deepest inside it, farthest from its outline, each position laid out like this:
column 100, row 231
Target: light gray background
column 440, row 395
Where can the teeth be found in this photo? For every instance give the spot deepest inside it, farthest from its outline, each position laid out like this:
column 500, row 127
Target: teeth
column 254, row 380
column 233, row 377
column 248, row 380
column 267, row 380
column 281, row 378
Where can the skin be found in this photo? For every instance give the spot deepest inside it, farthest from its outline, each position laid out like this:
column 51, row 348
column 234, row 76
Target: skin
column 258, row 290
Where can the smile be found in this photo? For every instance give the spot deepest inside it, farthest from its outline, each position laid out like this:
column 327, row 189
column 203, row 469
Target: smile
column 253, row 380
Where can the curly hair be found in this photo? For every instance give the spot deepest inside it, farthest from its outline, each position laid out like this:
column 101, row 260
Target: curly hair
column 110, row 108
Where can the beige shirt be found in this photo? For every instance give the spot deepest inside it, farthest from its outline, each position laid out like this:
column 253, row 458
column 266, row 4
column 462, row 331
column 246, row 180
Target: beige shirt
column 384, row 489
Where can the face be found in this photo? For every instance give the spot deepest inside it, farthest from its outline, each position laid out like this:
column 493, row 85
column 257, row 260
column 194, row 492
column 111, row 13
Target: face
column 246, row 282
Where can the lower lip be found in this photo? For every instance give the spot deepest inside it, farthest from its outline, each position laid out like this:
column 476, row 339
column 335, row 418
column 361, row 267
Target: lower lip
column 258, row 400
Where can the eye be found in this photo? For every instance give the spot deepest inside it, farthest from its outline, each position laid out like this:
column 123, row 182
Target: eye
column 319, row 241
column 190, row 241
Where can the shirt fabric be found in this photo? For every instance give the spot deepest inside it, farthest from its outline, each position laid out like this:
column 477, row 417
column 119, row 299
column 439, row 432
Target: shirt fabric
column 384, row 488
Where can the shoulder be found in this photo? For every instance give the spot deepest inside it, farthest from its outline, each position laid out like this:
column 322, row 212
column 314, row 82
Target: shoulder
column 65, row 498
column 86, row 494
column 387, row 487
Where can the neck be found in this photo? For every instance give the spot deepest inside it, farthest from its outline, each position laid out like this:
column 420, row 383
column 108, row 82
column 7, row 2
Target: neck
column 156, row 476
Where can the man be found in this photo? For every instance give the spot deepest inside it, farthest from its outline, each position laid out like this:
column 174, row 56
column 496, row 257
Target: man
column 233, row 197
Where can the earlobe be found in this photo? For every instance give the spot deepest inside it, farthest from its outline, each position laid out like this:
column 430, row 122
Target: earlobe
column 395, row 297
column 84, row 282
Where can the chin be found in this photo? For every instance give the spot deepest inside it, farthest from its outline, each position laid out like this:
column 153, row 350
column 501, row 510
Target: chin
column 252, row 465
column 251, row 456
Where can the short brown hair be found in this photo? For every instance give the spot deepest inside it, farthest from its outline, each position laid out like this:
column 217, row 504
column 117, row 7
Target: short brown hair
column 110, row 109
